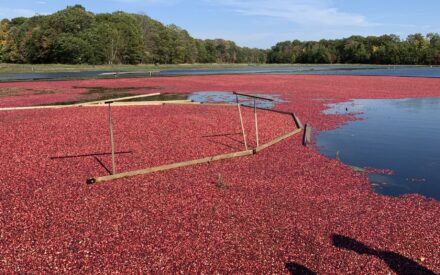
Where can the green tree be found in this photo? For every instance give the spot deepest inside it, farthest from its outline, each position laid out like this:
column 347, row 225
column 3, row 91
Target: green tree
column 73, row 19
column 433, row 51
column 4, row 28
column 71, row 49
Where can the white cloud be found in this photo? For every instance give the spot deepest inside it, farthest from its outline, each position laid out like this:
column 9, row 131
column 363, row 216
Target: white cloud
column 256, row 39
column 11, row 13
column 303, row 12
column 148, row 2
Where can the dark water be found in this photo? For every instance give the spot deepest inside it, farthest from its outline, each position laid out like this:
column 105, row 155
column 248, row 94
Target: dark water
column 228, row 97
column 42, row 76
column 401, row 135
column 101, row 93
column 250, row 70
column 215, row 97
column 389, row 71
column 367, row 70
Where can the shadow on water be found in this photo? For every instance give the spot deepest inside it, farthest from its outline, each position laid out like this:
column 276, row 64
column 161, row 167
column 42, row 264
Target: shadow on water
column 297, row 269
column 398, row 263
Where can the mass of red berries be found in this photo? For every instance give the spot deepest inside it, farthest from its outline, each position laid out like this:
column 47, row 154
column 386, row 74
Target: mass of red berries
column 283, row 209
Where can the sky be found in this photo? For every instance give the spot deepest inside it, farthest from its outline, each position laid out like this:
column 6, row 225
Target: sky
column 260, row 23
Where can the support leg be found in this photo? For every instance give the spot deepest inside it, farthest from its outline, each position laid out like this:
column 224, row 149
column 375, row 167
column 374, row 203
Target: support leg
column 242, row 126
column 111, row 138
column 256, row 123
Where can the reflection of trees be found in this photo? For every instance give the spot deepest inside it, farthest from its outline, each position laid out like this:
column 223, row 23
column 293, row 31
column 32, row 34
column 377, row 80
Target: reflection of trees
column 417, row 104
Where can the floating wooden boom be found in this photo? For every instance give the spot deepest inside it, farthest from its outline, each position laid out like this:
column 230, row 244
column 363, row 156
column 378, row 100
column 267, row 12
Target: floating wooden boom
column 169, row 166
column 191, row 162
column 253, row 96
column 117, row 99
column 278, row 139
column 88, row 104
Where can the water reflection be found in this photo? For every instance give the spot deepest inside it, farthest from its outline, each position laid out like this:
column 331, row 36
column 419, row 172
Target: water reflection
column 402, row 135
column 366, row 70
column 228, row 97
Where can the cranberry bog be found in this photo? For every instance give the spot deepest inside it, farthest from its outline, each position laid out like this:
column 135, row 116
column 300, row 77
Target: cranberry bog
column 284, row 209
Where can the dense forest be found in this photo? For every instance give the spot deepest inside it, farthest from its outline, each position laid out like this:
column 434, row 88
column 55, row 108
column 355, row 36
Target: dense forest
column 76, row 36
column 386, row 49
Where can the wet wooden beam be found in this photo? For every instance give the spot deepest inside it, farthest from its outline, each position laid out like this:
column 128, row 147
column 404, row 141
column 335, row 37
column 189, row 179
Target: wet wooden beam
column 278, row 139
column 148, row 103
column 297, row 121
column 169, row 166
column 253, row 96
column 117, row 99
column 295, row 118
column 134, row 103
column 242, row 125
column 269, row 110
column 191, row 162
column 36, row 107
column 307, row 138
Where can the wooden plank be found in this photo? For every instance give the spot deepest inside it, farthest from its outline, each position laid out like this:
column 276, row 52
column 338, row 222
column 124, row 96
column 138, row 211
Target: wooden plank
column 119, row 104
column 217, row 104
column 269, row 110
column 112, row 144
column 169, row 166
column 256, row 123
column 242, row 125
column 189, row 102
column 297, row 121
column 36, row 107
column 278, row 139
column 147, row 103
column 191, row 162
column 77, row 104
column 253, row 96
column 295, row 118
column 307, row 138
column 117, row 99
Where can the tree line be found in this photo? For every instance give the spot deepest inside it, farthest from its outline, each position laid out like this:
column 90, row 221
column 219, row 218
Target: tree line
column 416, row 49
column 77, row 36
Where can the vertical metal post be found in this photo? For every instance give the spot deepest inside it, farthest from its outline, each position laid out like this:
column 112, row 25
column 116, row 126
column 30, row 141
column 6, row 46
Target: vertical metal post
column 111, row 137
column 241, row 122
column 256, row 122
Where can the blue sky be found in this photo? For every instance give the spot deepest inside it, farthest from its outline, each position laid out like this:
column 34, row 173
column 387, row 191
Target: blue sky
column 260, row 23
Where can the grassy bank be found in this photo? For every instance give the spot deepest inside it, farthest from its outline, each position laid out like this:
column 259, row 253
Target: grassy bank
column 46, row 68
column 28, row 68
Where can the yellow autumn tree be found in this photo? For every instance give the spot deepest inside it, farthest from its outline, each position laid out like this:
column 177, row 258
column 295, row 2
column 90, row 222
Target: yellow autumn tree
column 3, row 32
